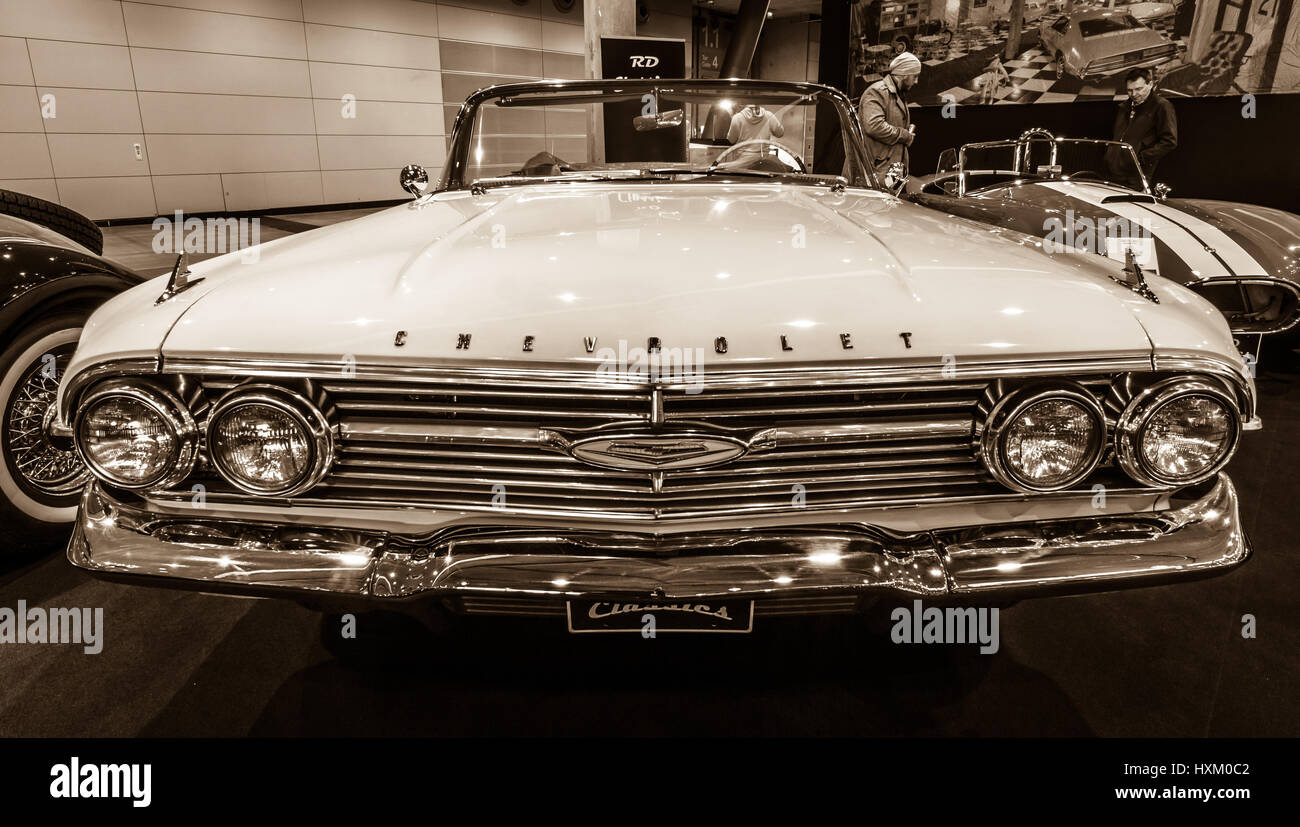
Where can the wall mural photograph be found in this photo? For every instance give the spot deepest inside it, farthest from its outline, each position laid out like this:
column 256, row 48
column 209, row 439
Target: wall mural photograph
column 1070, row 50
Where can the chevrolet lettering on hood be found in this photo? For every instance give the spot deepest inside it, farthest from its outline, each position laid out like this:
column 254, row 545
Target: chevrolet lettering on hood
column 711, row 386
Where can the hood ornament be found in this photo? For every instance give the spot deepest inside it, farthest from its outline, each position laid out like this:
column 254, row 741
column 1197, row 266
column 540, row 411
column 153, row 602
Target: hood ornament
column 180, row 279
column 1134, row 278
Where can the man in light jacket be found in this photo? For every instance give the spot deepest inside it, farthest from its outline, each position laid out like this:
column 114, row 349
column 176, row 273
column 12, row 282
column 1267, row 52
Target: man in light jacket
column 886, row 124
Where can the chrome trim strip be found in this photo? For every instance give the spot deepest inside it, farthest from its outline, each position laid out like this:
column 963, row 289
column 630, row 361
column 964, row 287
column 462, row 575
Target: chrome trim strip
column 74, row 385
column 823, row 374
column 362, row 429
column 115, row 539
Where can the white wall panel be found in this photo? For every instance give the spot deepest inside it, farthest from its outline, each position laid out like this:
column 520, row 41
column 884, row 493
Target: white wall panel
column 81, row 65
column 380, row 152
column 385, row 15
column 39, row 187
column 109, row 197
column 85, row 21
column 336, row 44
column 188, row 193
column 264, row 191
column 379, row 118
column 182, row 154
column 90, row 155
column 15, row 67
column 173, row 113
column 205, row 31
column 170, row 71
column 92, row 110
column 24, row 155
column 22, row 111
column 334, row 80
column 490, row 27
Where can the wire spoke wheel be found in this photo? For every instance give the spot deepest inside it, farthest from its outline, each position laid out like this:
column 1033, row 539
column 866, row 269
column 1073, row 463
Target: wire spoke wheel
column 40, row 467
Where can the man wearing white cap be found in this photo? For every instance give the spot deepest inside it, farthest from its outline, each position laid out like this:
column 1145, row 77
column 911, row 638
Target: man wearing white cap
column 885, row 119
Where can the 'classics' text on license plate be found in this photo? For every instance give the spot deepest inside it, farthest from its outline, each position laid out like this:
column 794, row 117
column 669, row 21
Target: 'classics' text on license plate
column 632, row 615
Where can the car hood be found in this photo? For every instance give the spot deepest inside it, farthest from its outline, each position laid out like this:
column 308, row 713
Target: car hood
column 781, row 273
column 733, row 276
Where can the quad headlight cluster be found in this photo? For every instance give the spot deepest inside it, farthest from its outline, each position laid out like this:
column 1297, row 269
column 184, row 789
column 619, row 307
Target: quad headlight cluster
column 1176, row 432
column 263, row 439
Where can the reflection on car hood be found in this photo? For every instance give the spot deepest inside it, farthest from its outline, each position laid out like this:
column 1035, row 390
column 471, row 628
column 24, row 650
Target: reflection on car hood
column 581, row 268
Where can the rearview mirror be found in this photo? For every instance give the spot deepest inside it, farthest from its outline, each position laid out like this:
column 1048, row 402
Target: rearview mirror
column 660, row 120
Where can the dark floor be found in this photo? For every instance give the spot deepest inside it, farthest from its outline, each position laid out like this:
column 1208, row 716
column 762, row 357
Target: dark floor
column 1164, row 661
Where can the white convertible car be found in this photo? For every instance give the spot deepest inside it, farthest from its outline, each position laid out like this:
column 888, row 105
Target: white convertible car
column 654, row 375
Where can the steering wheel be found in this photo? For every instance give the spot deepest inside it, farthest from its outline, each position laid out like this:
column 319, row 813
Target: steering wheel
column 1086, row 173
column 758, row 154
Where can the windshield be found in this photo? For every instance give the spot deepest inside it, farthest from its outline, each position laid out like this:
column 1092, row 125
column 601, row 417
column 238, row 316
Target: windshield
column 989, row 164
column 1105, row 25
column 634, row 130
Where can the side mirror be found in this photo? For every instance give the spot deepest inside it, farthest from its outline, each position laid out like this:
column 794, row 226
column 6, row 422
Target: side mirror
column 896, row 178
column 414, row 179
column 1162, row 191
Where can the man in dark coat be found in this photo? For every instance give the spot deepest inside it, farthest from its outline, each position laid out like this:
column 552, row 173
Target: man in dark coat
column 886, row 123
column 1147, row 122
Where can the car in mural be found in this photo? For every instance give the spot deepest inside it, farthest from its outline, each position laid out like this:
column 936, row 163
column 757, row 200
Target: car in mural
column 1080, row 192
column 1097, row 43
column 52, row 278
column 590, row 389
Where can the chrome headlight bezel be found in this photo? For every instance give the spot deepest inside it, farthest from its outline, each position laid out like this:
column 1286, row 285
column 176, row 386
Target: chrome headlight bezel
column 305, row 413
column 1009, row 408
column 1133, row 421
column 174, row 415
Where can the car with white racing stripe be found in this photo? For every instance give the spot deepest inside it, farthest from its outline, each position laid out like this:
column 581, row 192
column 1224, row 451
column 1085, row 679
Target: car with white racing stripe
column 1079, row 195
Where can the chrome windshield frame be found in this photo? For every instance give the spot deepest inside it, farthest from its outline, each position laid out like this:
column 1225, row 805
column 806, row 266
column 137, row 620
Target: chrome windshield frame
column 1020, row 154
column 459, row 151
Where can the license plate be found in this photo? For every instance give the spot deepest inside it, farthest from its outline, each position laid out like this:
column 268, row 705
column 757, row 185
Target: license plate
column 632, row 615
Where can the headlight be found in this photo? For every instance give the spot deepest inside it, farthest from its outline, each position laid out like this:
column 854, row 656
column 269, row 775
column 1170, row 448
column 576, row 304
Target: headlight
column 1177, row 432
column 1044, row 439
column 268, row 440
column 136, row 435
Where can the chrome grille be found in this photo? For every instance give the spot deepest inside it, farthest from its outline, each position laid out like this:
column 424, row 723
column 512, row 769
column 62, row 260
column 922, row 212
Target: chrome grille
column 499, row 444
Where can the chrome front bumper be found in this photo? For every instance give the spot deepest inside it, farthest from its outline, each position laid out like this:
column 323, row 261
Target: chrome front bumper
column 493, row 566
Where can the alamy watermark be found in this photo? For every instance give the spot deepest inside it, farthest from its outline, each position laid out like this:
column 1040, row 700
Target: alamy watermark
column 84, row 627
column 951, row 624
column 211, row 236
column 654, row 363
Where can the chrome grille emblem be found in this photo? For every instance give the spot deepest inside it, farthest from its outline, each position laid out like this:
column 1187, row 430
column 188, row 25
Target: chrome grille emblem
column 657, row 452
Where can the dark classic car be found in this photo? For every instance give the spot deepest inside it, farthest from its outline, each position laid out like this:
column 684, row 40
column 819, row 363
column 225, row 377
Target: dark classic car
column 52, row 277
column 1077, row 194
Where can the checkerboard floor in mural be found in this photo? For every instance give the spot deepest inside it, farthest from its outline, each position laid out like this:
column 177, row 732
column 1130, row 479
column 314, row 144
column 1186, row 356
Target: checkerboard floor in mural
column 1032, row 75
column 1032, row 79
